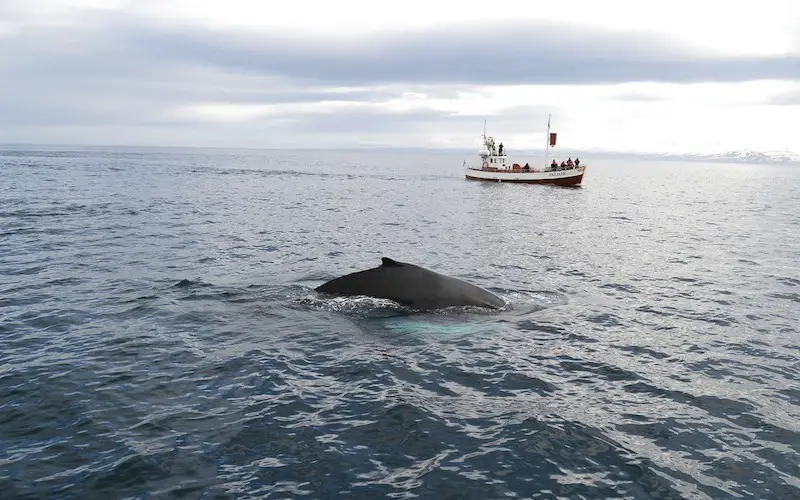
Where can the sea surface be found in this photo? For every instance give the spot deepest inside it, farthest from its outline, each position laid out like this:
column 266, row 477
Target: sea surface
column 160, row 336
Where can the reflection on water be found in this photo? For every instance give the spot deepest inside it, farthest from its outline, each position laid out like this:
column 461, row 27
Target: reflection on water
column 161, row 334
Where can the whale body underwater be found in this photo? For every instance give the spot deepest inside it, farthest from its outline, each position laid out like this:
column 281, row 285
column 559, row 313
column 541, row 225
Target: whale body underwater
column 412, row 286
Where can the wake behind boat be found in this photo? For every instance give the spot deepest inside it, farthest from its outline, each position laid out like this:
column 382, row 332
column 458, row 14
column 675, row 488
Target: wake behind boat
column 496, row 167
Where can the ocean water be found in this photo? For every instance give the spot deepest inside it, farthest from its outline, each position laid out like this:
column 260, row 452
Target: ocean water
column 161, row 337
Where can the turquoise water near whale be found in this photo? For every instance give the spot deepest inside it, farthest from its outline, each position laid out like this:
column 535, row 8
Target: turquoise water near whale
column 161, row 338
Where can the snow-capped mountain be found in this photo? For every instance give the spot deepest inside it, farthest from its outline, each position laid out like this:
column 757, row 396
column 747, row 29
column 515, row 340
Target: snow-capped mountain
column 759, row 156
column 740, row 156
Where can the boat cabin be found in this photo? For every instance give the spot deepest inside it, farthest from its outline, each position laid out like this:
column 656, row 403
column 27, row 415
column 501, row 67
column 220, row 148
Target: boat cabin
column 492, row 156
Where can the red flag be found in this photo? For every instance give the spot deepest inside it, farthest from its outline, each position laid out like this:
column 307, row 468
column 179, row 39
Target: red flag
column 552, row 139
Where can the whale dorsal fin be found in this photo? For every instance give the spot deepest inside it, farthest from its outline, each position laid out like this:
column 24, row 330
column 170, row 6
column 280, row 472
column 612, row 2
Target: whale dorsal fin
column 387, row 262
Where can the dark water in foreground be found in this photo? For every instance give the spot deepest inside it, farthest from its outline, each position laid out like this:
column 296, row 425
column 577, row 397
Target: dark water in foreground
column 161, row 339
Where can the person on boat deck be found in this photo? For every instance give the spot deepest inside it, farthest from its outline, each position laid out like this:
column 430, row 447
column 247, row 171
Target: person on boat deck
column 553, row 164
column 563, row 165
column 501, row 148
column 577, row 162
column 569, row 161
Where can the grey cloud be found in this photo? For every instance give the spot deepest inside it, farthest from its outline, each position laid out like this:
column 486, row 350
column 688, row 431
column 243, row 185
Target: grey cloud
column 101, row 76
column 791, row 98
column 638, row 97
column 133, row 104
column 370, row 120
column 511, row 53
column 500, row 53
column 300, row 129
column 129, row 73
column 531, row 113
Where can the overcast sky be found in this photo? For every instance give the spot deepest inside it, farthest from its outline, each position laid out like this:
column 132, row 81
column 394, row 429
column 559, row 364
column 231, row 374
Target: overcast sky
column 660, row 75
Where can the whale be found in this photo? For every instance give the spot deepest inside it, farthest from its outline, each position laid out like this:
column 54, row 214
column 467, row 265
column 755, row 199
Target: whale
column 412, row 286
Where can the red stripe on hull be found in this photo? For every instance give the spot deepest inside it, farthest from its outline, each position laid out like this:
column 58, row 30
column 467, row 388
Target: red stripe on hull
column 560, row 181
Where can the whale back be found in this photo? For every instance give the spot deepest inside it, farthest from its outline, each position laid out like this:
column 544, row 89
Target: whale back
column 411, row 285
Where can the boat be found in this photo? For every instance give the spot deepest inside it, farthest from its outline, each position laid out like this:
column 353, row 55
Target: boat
column 495, row 166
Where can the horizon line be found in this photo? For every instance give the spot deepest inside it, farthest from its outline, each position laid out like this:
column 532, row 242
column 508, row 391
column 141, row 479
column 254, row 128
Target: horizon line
column 793, row 157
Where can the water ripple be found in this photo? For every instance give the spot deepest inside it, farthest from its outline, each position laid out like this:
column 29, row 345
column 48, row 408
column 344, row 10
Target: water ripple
column 161, row 336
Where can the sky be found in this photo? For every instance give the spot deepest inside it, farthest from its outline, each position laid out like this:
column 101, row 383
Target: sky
column 658, row 76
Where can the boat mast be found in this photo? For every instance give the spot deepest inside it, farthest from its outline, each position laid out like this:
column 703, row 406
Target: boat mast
column 547, row 141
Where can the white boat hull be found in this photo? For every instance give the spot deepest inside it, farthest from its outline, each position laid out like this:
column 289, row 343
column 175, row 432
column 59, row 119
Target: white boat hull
column 565, row 177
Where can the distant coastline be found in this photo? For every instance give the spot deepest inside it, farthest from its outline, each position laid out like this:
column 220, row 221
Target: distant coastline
column 738, row 156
